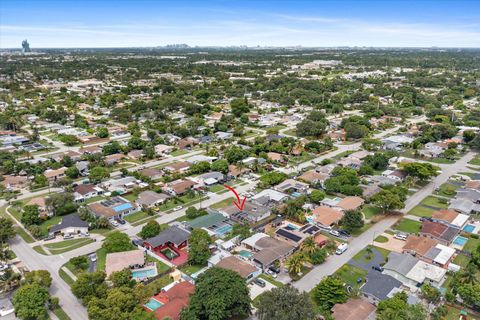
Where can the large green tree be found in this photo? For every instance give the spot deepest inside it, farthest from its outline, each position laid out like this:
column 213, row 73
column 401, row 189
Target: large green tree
column 352, row 220
column 388, row 200
column 89, row 286
column 219, row 294
column 285, row 303
column 397, row 308
column 30, row 302
column 199, row 242
column 117, row 242
column 329, row 292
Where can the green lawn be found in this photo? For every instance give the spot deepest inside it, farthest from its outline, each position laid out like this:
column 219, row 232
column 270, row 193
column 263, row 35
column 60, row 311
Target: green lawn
column 447, row 190
column 161, row 267
column 290, row 132
column 349, row 274
column 39, row 249
column 130, row 197
column 270, row 279
column 61, row 314
column 216, row 188
column 435, row 202
column 94, row 199
column 181, row 201
column 178, row 152
column 24, row 235
column 408, row 226
column 65, row 277
column 381, row 239
column 454, row 314
column 223, row 203
column 461, row 260
column 365, row 227
column 191, row 269
column 421, row 211
column 369, row 211
column 136, row 216
column 67, row 245
column 471, row 245
column 475, row 161
column 101, row 259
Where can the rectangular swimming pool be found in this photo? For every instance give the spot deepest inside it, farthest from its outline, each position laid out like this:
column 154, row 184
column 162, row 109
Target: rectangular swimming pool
column 245, row 254
column 153, row 304
column 141, row 274
column 460, row 241
column 469, row 228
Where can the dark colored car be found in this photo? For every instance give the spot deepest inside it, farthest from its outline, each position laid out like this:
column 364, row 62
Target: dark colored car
column 345, row 233
column 137, row 242
column 274, row 269
column 378, row 268
column 120, row 220
column 260, row 283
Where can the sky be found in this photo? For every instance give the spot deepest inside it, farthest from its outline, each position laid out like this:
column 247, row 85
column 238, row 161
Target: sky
column 148, row 23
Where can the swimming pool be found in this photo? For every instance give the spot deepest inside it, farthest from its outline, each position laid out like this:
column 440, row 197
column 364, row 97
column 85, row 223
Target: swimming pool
column 460, row 241
column 469, row 228
column 144, row 273
column 245, row 254
column 223, row 230
column 292, row 227
column 296, row 194
column 153, row 304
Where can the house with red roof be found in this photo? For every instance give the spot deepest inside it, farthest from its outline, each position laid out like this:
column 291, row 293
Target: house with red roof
column 168, row 304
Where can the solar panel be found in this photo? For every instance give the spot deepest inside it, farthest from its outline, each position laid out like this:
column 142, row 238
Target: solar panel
column 288, row 235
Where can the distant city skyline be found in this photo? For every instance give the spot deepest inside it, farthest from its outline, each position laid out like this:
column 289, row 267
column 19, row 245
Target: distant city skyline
column 143, row 23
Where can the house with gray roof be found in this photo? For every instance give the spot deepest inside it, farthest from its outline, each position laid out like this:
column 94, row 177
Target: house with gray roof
column 173, row 236
column 378, row 286
column 150, row 198
column 413, row 272
column 71, row 224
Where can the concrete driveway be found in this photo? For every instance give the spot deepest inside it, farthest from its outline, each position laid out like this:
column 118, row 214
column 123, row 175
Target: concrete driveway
column 256, row 290
column 392, row 244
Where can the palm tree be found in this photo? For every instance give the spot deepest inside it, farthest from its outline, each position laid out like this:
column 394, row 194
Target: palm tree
column 469, row 274
column 309, row 246
column 295, row 263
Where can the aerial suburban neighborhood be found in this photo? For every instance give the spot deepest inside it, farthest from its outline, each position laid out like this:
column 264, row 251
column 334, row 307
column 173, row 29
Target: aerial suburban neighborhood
column 190, row 182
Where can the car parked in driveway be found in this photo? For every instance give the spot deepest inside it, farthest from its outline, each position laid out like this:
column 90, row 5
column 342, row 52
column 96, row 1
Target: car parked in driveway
column 334, row 233
column 260, row 282
column 377, row 268
column 400, row 236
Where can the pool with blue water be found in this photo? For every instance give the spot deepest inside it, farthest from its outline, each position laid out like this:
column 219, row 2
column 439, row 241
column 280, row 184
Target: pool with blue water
column 460, row 241
column 153, row 304
column 469, row 228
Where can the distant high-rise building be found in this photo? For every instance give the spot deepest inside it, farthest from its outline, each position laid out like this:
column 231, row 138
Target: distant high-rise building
column 25, row 46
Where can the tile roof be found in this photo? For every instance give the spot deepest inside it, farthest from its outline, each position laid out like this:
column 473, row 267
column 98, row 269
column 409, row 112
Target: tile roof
column 118, row 261
column 419, row 244
column 350, row 203
column 241, row 267
column 173, row 234
column 326, row 215
column 174, row 300
column 362, row 309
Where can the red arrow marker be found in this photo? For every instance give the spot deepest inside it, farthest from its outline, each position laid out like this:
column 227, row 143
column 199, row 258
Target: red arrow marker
column 239, row 203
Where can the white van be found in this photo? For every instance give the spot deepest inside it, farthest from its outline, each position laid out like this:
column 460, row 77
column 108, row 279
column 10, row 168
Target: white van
column 341, row 248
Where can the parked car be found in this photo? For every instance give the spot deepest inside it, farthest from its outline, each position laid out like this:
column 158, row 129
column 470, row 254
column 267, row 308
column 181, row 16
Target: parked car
column 120, row 220
column 177, row 208
column 344, row 233
column 137, row 242
column 260, row 283
column 341, row 248
column 400, row 236
column 93, row 257
column 334, row 233
column 274, row 269
column 378, row 268
column 67, row 236
column 114, row 223
column 425, row 218
column 50, row 237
